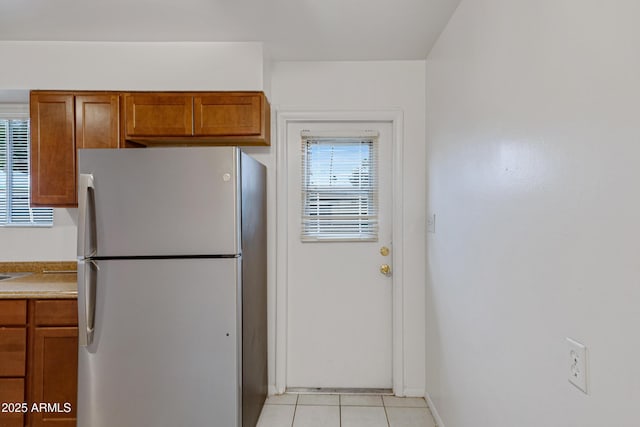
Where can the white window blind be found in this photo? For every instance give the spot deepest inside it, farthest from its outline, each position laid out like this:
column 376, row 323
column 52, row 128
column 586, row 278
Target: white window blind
column 339, row 187
column 14, row 177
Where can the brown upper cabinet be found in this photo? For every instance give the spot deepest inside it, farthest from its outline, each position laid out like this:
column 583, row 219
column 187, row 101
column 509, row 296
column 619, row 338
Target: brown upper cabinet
column 62, row 122
column 53, row 159
column 97, row 121
column 159, row 114
column 200, row 118
column 228, row 114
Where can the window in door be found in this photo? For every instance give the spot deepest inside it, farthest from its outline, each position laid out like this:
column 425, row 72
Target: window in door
column 339, row 187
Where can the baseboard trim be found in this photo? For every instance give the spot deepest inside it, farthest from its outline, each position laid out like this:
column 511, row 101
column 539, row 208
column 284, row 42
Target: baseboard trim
column 272, row 390
column 414, row 392
column 338, row 390
column 434, row 411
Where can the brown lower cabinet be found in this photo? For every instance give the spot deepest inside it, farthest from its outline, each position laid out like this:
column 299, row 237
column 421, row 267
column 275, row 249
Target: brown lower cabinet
column 13, row 359
column 54, row 376
column 39, row 348
column 11, row 393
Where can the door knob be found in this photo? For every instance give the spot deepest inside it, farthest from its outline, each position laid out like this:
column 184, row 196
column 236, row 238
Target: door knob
column 385, row 269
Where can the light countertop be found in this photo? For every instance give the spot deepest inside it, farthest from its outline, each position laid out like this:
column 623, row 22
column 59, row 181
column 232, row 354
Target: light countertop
column 40, row 285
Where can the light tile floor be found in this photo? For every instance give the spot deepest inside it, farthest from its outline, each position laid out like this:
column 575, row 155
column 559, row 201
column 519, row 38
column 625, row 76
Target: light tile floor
column 344, row 410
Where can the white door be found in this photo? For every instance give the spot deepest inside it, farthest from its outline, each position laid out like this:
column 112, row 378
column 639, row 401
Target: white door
column 339, row 316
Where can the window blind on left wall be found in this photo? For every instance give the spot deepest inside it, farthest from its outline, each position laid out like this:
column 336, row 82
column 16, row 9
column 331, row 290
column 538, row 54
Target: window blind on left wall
column 14, row 177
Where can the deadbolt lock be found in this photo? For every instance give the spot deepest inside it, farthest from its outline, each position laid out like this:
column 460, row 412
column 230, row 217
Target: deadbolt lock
column 384, row 251
column 385, row 269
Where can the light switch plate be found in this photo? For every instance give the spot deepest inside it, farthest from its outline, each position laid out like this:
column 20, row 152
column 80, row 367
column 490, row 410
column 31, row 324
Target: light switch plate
column 431, row 223
column 577, row 367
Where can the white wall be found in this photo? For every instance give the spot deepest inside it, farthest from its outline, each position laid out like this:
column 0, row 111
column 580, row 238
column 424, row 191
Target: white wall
column 113, row 66
column 533, row 148
column 132, row 66
column 57, row 243
column 367, row 86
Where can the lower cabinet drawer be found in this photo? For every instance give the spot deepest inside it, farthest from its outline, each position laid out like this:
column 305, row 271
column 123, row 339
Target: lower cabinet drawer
column 56, row 312
column 11, row 396
column 13, row 351
column 13, row 312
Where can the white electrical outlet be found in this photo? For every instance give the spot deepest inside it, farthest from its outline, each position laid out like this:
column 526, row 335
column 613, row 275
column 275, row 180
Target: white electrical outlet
column 577, row 364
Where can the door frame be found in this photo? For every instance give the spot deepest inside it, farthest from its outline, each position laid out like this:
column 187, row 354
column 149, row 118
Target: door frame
column 283, row 118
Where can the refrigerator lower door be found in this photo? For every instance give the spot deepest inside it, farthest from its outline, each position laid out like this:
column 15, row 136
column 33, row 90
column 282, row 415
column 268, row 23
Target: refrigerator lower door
column 166, row 345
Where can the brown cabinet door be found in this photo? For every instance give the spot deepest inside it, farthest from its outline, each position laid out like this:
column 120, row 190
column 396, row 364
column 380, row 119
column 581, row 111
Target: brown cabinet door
column 53, row 159
column 97, row 121
column 13, row 350
column 12, row 395
column 228, row 114
column 163, row 114
column 54, row 376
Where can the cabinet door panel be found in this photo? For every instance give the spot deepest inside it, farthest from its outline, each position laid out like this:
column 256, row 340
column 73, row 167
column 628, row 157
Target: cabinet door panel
column 53, row 157
column 13, row 350
column 54, row 375
column 159, row 114
column 228, row 114
column 97, row 121
column 11, row 391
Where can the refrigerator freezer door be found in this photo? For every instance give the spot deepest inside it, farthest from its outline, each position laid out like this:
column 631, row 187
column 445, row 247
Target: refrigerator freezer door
column 162, row 201
column 165, row 350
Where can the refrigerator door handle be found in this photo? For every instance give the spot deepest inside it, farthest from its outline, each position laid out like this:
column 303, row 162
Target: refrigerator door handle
column 86, row 216
column 87, row 280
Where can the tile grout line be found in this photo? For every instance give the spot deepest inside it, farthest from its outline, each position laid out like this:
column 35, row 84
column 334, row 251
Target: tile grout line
column 295, row 409
column 385, row 412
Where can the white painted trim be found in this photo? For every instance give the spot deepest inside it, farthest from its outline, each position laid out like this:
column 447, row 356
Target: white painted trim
column 271, row 390
column 434, row 411
column 398, row 255
column 284, row 116
column 281, row 253
column 413, row 392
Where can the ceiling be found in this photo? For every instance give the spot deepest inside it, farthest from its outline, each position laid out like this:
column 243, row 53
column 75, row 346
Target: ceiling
column 290, row 29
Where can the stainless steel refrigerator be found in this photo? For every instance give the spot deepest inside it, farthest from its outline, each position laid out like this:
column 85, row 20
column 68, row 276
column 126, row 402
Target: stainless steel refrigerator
column 171, row 288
